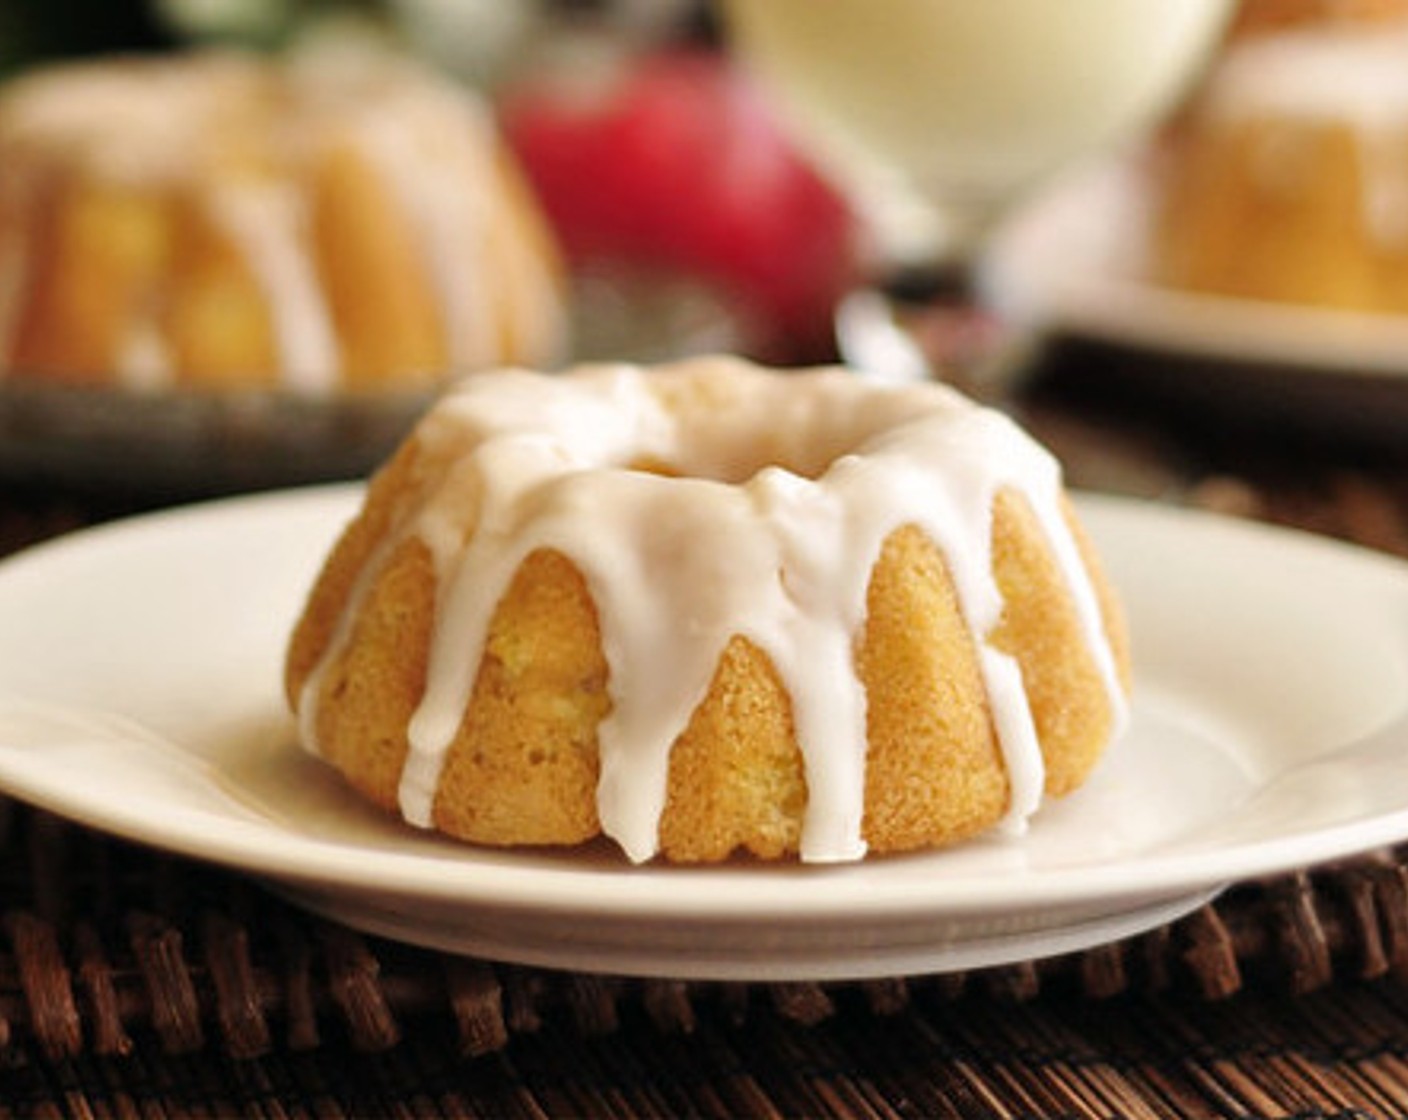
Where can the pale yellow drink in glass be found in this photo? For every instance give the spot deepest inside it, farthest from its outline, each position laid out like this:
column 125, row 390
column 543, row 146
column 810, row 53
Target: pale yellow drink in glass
column 938, row 113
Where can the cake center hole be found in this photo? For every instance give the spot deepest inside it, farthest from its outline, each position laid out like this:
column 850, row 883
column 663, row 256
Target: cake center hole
column 784, row 428
column 732, row 472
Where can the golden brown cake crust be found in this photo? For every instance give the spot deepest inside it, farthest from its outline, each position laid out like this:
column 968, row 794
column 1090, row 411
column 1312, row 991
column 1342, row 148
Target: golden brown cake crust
column 523, row 766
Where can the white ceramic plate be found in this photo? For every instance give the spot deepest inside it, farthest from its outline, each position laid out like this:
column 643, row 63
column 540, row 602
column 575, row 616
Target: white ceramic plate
column 1073, row 260
column 139, row 670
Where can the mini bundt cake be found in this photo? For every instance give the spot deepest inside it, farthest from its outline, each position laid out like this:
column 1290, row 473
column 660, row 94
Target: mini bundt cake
column 1288, row 180
column 314, row 222
column 710, row 607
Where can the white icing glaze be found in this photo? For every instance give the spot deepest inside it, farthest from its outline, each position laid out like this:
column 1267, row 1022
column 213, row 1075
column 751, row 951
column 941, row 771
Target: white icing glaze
column 1344, row 73
column 447, row 205
column 143, row 361
column 1351, row 75
column 790, row 485
column 127, row 121
column 266, row 223
column 454, row 194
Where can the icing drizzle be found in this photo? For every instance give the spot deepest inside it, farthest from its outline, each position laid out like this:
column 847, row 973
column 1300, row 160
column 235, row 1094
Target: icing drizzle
column 786, row 487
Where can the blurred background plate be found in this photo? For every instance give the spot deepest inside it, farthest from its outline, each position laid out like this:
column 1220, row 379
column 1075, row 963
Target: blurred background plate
column 153, row 445
column 186, row 443
column 1071, row 267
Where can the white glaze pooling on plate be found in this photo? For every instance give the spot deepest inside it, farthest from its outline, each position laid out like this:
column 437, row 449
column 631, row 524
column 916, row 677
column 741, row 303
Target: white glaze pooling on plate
column 242, row 142
column 790, row 485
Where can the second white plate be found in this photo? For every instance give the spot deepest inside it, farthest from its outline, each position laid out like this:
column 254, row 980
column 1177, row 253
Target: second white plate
column 1074, row 260
column 139, row 694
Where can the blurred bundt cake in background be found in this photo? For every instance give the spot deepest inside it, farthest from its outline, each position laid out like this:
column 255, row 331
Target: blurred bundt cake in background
column 1287, row 180
column 316, row 222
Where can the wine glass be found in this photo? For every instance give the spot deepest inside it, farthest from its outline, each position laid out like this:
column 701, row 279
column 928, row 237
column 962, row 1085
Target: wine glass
column 938, row 116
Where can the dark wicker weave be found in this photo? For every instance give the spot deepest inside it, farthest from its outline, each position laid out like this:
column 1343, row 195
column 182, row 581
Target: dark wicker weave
column 105, row 941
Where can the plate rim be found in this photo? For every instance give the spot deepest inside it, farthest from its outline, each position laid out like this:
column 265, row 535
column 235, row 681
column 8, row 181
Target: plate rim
column 700, row 960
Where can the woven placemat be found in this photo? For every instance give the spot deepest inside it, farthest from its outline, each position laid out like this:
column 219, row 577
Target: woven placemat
column 100, row 940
